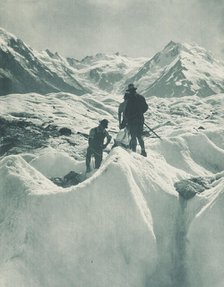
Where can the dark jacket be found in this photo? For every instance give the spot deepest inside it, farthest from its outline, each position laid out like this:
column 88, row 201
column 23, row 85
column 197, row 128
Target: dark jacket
column 96, row 138
column 136, row 107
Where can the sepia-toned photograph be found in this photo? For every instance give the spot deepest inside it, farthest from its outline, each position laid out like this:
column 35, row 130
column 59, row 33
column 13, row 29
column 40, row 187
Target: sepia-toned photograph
column 111, row 143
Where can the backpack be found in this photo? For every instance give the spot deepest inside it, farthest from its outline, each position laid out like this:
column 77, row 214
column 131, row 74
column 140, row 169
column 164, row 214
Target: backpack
column 136, row 107
column 143, row 105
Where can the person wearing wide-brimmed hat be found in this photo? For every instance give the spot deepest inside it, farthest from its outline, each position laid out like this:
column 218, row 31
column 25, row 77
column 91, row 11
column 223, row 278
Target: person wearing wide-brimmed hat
column 134, row 114
column 96, row 146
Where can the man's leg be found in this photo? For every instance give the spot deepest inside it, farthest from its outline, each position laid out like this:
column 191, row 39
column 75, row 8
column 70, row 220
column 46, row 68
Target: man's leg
column 141, row 142
column 98, row 158
column 88, row 159
column 142, row 145
column 133, row 141
column 140, row 139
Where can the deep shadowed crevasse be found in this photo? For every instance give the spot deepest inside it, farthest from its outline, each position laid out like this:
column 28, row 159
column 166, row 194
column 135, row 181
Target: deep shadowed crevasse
column 180, row 276
column 172, row 266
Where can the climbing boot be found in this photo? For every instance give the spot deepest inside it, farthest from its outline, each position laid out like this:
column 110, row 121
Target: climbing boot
column 143, row 153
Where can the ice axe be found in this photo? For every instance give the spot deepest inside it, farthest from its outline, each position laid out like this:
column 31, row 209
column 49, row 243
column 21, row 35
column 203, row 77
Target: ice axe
column 151, row 130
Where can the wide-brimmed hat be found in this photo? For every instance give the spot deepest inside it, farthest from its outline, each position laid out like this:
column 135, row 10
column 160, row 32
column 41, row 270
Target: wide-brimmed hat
column 104, row 123
column 131, row 87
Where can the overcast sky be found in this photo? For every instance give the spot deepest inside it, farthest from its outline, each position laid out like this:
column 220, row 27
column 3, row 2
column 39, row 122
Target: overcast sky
column 79, row 28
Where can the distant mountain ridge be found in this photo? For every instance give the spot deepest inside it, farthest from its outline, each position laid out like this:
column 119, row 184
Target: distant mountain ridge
column 108, row 72
column 24, row 70
column 178, row 70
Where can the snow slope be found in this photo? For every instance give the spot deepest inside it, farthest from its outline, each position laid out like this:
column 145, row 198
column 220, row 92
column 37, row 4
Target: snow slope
column 126, row 225
column 64, row 238
column 95, row 234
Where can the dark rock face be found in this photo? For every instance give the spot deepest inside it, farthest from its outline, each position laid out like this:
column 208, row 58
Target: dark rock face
column 19, row 136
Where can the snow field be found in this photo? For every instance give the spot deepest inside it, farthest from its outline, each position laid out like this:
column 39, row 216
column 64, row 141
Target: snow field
column 94, row 234
column 125, row 225
column 119, row 227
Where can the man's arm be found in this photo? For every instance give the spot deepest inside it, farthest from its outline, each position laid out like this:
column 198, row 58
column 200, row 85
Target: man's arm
column 121, row 110
column 108, row 137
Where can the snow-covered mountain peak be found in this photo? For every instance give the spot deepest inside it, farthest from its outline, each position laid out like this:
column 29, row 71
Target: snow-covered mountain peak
column 55, row 55
column 174, row 51
column 171, row 47
column 26, row 70
column 93, row 58
column 108, row 71
column 102, row 57
column 5, row 36
column 10, row 43
column 175, row 48
column 189, row 50
column 180, row 69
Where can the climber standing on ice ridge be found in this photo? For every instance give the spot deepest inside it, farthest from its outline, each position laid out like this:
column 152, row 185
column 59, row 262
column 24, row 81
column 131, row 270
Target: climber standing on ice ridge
column 96, row 146
column 134, row 114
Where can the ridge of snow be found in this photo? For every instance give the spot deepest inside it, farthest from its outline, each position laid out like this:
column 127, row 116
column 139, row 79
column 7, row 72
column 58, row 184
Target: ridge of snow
column 135, row 231
column 122, row 221
column 5, row 36
column 125, row 250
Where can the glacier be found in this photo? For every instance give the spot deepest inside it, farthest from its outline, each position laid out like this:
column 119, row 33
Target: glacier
column 135, row 222
column 126, row 225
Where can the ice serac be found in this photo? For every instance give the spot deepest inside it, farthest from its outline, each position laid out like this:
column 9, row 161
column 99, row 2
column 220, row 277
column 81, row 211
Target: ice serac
column 180, row 70
column 24, row 70
column 91, row 235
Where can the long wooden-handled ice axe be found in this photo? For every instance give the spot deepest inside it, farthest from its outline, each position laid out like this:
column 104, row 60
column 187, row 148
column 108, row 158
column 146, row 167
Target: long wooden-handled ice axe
column 151, row 130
